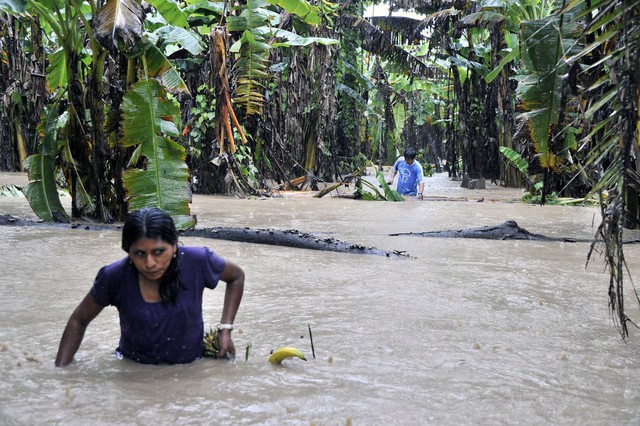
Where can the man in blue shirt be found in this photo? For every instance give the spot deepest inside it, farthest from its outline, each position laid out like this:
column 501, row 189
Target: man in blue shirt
column 410, row 174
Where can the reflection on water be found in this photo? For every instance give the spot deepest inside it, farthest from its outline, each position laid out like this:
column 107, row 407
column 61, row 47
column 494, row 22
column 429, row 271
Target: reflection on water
column 465, row 332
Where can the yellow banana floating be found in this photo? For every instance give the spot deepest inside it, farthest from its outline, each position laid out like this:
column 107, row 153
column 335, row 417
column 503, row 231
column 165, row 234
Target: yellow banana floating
column 280, row 354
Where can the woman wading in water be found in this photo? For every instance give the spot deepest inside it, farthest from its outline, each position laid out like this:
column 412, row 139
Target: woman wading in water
column 157, row 290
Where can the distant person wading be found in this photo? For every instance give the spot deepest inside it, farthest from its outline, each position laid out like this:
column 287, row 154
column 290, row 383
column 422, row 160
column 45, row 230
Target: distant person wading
column 410, row 176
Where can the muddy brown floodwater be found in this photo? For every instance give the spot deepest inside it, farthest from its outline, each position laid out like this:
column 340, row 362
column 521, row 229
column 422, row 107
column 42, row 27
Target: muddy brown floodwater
column 466, row 332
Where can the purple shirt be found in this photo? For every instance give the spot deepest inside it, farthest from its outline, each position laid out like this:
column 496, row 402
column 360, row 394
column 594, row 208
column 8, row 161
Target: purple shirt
column 160, row 333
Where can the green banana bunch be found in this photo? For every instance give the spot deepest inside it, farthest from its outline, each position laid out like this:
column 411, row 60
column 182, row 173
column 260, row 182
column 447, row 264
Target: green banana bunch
column 211, row 343
column 212, row 346
column 329, row 11
column 281, row 354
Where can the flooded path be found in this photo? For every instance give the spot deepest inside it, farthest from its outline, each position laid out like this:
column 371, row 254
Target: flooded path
column 466, row 332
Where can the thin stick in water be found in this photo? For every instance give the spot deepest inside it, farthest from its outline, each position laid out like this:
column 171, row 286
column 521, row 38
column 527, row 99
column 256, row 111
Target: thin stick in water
column 313, row 351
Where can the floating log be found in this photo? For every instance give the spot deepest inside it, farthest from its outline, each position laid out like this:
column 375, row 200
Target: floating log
column 287, row 238
column 508, row 230
column 284, row 238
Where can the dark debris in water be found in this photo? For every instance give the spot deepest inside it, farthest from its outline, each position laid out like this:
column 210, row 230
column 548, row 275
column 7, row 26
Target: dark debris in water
column 288, row 238
column 285, row 238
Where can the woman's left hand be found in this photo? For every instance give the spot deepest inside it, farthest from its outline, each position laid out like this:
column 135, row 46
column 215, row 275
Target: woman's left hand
column 227, row 349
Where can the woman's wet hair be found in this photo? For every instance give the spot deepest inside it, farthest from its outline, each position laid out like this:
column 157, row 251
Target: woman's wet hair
column 155, row 223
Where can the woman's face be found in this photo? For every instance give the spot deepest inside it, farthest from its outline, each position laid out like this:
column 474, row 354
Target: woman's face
column 151, row 257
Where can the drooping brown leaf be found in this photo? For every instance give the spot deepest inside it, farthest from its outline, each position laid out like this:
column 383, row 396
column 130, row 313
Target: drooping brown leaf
column 119, row 18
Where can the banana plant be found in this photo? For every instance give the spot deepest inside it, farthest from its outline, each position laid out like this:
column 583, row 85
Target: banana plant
column 157, row 175
column 41, row 191
column 76, row 73
column 64, row 19
column 546, row 43
column 373, row 194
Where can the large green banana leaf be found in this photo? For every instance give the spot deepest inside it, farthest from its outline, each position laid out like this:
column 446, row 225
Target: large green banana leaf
column 374, row 193
column 57, row 70
column 389, row 193
column 163, row 181
column 159, row 67
column 170, row 12
column 177, row 38
column 516, row 159
column 288, row 39
column 301, row 8
column 41, row 192
column 545, row 42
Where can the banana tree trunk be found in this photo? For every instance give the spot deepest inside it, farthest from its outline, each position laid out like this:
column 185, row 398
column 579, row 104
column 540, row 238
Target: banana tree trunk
column 99, row 150
column 326, row 104
column 78, row 162
column 23, row 90
column 299, row 91
column 505, row 110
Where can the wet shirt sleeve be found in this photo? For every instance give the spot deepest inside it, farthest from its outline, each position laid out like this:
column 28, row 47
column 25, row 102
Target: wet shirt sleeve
column 419, row 173
column 99, row 290
column 208, row 263
column 109, row 278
